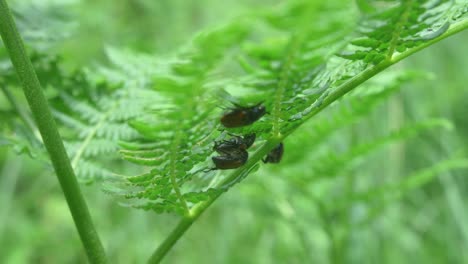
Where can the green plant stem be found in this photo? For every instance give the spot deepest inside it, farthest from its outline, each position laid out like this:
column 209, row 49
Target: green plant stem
column 180, row 229
column 337, row 93
column 50, row 135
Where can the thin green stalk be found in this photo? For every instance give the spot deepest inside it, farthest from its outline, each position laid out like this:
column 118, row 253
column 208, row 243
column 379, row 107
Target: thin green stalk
column 50, row 135
column 337, row 93
column 180, row 229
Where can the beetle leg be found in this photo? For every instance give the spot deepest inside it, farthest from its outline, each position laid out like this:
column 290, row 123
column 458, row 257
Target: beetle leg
column 206, row 170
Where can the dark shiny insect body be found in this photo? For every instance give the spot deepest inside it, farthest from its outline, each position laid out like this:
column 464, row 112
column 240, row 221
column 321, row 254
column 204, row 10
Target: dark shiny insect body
column 231, row 161
column 233, row 144
column 233, row 152
column 275, row 154
column 243, row 116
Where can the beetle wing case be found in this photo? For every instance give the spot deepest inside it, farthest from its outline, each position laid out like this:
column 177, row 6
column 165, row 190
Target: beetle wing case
column 243, row 116
column 232, row 161
column 275, row 155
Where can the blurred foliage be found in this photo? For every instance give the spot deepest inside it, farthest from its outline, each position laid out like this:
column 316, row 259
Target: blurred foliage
column 387, row 163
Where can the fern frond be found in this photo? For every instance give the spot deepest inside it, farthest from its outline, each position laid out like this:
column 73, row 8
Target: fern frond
column 43, row 24
column 353, row 108
column 401, row 25
column 391, row 192
column 294, row 68
column 330, row 164
column 182, row 129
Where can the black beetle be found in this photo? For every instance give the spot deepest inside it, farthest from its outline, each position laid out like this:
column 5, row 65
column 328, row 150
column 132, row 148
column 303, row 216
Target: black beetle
column 243, row 116
column 233, row 152
column 235, row 143
column 275, row 154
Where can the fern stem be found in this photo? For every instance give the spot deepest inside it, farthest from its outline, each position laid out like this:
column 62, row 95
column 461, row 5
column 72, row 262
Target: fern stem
column 337, row 93
column 177, row 233
column 50, row 135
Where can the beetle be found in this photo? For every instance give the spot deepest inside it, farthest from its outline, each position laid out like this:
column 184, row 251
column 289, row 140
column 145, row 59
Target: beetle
column 234, row 143
column 275, row 155
column 242, row 115
column 233, row 160
column 233, row 152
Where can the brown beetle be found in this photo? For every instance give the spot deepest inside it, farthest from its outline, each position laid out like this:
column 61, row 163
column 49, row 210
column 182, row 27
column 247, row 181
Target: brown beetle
column 275, row 154
column 243, row 116
column 231, row 161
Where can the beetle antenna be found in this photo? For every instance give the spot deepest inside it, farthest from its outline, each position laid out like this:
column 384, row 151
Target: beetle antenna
column 205, row 170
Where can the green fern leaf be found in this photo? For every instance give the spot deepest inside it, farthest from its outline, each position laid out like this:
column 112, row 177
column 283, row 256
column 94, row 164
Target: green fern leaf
column 390, row 192
column 330, row 164
column 294, row 68
column 176, row 136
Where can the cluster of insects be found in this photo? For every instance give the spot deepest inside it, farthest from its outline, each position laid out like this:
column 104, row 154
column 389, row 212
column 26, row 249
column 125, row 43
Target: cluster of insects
column 233, row 152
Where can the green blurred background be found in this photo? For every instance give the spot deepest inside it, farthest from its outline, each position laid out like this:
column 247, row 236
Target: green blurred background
column 269, row 218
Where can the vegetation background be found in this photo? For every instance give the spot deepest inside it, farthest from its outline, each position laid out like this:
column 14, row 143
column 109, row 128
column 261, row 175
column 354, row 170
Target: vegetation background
column 365, row 213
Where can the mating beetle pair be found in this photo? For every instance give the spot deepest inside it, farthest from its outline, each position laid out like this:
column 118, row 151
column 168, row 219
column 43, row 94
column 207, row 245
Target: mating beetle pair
column 234, row 151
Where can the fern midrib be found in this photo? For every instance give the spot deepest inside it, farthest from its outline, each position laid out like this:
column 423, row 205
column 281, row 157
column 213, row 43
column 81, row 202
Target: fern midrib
column 174, row 157
column 173, row 170
column 291, row 52
column 91, row 135
column 399, row 27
